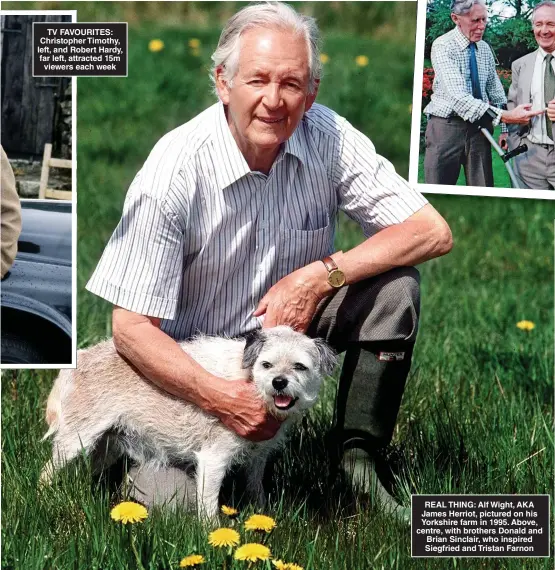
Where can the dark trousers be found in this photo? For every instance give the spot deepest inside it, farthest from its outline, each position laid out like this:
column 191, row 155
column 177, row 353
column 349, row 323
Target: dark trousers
column 452, row 143
column 375, row 323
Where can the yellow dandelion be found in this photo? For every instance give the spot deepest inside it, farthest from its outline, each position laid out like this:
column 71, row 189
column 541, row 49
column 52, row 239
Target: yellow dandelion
column 194, row 43
column 324, row 58
column 361, row 60
column 295, row 567
column 192, row 560
column 526, row 325
column 260, row 522
column 195, row 52
column 155, row 45
column 229, row 511
column 129, row 512
column 223, row 537
column 252, row 552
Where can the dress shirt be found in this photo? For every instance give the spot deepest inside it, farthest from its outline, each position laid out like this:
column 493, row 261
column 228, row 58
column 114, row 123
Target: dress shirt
column 538, row 132
column 452, row 84
column 202, row 237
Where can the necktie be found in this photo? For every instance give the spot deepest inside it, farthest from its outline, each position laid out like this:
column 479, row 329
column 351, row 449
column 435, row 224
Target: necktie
column 474, row 78
column 548, row 90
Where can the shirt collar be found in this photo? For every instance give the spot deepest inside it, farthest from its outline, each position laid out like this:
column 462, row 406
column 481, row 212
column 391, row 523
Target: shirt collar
column 543, row 53
column 297, row 144
column 233, row 163
column 462, row 41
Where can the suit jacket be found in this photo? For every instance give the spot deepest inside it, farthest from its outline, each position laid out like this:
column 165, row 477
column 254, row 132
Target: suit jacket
column 11, row 214
column 520, row 92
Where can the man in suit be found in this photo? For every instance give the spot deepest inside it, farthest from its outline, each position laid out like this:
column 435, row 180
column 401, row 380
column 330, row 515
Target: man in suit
column 534, row 82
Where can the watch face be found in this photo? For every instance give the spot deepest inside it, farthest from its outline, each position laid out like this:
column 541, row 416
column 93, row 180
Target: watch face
column 336, row 278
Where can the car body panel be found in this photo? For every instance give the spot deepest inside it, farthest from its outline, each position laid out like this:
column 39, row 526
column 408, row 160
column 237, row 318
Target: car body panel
column 39, row 281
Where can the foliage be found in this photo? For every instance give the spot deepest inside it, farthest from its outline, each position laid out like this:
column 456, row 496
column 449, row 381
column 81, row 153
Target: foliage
column 438, row 22
column 395, row 21
column 509, row 38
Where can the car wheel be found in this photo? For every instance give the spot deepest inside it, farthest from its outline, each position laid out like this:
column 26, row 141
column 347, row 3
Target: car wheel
column 15, row 349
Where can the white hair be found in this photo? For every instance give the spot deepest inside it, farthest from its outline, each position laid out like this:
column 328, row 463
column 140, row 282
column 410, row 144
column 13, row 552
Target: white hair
column 461, row 7
column 266, row 15
column 548, row 3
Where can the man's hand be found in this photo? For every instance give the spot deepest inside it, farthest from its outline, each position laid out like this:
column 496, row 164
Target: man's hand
column 551, row 111
column 520, row 115
column 241, row 410
column 293, row 300
column 503, row 141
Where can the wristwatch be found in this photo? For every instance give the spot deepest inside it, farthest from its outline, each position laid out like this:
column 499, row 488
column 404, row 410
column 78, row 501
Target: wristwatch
column 336, row 277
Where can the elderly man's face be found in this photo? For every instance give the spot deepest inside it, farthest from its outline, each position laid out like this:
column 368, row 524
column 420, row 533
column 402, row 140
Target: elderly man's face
column 544, row 28
column 472, row 24
column 269, row 93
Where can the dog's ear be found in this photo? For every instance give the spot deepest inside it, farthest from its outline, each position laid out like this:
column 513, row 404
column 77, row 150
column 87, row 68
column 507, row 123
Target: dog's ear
column 255, row 342
column 327, row 358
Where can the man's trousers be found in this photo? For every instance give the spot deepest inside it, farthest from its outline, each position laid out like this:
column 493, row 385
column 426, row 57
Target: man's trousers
column 452, row 143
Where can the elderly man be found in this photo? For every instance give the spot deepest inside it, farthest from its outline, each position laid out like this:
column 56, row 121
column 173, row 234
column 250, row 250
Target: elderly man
column 11, row 214
column 467, row 95
column 229, row 227
column 534, row 82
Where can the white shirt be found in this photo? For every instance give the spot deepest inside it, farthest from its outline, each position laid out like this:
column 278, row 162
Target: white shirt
column 538, row 131
column 202, row 237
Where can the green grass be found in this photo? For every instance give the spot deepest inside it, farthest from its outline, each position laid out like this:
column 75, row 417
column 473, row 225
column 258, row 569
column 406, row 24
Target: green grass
column 500, row 175
column 477, row 411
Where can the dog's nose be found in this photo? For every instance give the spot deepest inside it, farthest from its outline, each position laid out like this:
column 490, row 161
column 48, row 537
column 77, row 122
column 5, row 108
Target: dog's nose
column 279, row 382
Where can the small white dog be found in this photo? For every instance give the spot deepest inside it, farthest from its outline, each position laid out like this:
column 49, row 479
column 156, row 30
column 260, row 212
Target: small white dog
column 105, row 394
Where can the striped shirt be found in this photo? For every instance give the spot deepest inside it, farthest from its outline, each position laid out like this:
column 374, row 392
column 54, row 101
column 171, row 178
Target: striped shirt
column 452, row 84
column 202, row 237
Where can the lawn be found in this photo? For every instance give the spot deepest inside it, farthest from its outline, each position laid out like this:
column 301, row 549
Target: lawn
column 478, row 410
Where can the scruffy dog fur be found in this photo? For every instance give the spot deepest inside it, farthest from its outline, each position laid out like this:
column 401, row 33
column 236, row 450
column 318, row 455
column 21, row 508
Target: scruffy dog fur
column 105, row 394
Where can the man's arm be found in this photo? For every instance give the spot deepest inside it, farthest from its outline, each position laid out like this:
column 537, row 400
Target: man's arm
column 293, row 300
column 139, row 339
column 464, row 104
column 513, row 89
column 453, row 82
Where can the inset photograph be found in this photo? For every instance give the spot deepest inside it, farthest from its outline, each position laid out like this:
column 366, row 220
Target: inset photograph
column 37, row 203
column 488, row 96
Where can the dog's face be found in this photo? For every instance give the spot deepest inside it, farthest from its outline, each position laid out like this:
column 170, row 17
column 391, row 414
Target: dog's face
column 287, row 368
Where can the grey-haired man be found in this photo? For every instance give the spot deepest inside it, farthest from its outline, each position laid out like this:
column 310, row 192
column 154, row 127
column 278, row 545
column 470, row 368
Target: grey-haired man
column 229, row 227
column 533, row 81
column 467, row 94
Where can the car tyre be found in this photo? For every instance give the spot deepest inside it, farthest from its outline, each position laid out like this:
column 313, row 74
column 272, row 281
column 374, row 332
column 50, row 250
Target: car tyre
column 15, row 349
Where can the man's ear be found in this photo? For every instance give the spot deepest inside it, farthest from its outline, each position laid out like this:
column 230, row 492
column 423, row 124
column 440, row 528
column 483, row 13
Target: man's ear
column 311, row 97
column 455, row 19
column 253, row 347
column 221, row 85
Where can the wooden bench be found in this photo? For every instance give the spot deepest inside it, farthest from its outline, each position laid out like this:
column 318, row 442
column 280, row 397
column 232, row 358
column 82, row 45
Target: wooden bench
column 47, row 163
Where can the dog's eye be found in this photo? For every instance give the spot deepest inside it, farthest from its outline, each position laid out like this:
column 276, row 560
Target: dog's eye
column 300, row 367
column 266, row 365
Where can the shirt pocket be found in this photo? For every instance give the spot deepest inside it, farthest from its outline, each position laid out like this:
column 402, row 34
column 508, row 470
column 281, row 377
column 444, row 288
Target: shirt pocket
column 299, row 247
